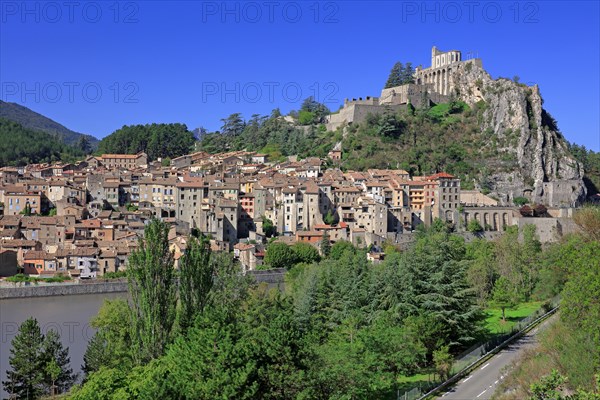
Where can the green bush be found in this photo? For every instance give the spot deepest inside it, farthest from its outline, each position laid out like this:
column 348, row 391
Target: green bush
column 280, row 255
column 306, row 253
column 306, row 117
column 115, row 275
column 520, row 201
column 474, row 226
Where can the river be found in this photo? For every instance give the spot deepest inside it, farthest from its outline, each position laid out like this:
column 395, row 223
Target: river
column 69, row 315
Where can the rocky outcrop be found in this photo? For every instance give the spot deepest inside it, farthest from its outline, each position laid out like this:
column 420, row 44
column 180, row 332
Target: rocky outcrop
column 546, row 173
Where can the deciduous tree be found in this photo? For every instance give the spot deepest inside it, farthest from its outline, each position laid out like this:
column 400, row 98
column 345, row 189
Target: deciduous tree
column 152, row 286
column 280, row 255
column 195, row 280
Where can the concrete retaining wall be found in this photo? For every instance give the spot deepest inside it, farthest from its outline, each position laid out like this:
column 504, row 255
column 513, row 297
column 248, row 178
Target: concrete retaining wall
column 274, row 277
column 62, row 290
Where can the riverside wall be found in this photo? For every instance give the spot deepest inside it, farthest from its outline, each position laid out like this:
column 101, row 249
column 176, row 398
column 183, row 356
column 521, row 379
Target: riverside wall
column 20, row 290
column 274, row 278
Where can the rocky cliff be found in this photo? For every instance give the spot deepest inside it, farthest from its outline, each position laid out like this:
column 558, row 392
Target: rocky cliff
column 546, row 172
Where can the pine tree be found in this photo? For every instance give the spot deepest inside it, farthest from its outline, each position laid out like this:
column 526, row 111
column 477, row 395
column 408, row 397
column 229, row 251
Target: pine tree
column 152, row 287
column 407, row 75
column 26, row 376
column 54, row 352
column 195, row 280
column 95, row 354
column 394, row 79
column 83, row 143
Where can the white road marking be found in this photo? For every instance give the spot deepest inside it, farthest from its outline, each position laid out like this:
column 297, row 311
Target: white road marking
column 479, row 395
column 467, row 378
column 485, row 366
column 495, row 383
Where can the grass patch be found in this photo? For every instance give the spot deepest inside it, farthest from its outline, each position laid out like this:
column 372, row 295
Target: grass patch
column 19, row 278
column 406, row 383
column 560, row 347
column 114, row 275
column 494, row 323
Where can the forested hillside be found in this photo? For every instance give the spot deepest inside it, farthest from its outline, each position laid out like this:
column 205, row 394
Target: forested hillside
column 446, row 137
column 20, row 146
column 29, row 119
column 157, row 140
column 591, row 163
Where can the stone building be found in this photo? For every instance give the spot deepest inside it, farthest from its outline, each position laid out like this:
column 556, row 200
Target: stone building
column 124, row 161
column 18, row 200
column 490, row 218
column 439, row 76
column 157, row 195
column 191, row 192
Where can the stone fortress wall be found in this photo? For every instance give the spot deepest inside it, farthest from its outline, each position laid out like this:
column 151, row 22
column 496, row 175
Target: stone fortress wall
column 432, row 85
column 440, row 75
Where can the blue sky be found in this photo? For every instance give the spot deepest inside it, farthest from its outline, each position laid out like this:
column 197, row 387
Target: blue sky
column 96, row 66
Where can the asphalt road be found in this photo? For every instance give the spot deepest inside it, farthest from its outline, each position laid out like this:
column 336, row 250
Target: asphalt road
column 482, row 382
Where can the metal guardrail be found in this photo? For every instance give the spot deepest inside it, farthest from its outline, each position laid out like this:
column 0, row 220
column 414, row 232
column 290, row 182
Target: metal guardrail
column 488, row 355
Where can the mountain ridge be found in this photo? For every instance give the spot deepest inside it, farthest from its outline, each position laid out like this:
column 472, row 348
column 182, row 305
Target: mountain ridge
column 30, row 119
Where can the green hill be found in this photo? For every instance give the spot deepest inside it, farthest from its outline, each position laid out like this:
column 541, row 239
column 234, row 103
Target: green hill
column 21, row 146
column 450, row 137
column 31, row 120
column 157, row 140
column 445, row 137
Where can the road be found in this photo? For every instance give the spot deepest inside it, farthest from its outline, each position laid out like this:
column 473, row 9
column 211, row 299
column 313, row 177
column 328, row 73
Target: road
column 482, row 382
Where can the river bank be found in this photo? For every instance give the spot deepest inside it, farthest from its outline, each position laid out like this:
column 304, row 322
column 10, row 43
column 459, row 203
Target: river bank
column 274, row 278
column 20, row 290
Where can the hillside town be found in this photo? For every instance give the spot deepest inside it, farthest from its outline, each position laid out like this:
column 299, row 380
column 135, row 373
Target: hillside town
column 83, row 220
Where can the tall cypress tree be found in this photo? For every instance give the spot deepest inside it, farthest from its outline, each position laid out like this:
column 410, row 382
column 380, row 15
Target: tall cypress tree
column 152, row 286
column 195, row 280
column 325, row 245
column 26, row 377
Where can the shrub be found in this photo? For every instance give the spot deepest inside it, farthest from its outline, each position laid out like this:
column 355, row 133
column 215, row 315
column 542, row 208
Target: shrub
column 280, row 255
column 306, row 253
column 520, row 201
column 474, row 226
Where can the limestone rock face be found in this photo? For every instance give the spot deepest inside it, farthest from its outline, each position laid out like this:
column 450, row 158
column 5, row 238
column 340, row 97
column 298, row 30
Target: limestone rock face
column 546, row 173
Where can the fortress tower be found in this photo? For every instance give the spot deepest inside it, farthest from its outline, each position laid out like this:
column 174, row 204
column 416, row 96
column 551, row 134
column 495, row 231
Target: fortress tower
column 441, row 58
column 438, row 76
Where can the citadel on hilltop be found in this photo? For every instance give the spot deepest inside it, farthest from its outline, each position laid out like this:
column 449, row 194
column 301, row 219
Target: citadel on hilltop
column 432, row 85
